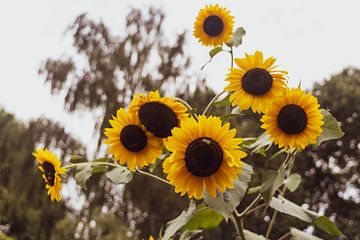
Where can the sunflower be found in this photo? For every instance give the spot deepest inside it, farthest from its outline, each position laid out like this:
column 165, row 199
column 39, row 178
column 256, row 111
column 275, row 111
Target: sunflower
column 213, row 25
column 130, row 143
column 158, row 114
column 256, row 83
column 205, row 155
column 294, row 120
column 51, row 168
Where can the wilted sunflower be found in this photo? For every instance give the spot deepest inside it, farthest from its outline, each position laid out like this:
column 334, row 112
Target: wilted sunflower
column 294, row 120
column 158, row 114
column 213, row 25
column 255, row 83
column 51, row 168
column 205, row 155
column 130, row 143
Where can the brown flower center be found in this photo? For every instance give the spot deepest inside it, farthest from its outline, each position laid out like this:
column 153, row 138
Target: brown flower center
column 203, row 157
column 49, row 171
column 158, row 118
column 133, row 138
column 292, row 119
column 257, row 81
column 213, row 26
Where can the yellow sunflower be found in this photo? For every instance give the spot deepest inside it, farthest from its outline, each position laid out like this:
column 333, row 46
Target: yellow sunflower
column 255, row 83
column 205, row 155
column 294, row 120
column 213, row 25
column 130, row 143
column 158, row 114
column 51, row 168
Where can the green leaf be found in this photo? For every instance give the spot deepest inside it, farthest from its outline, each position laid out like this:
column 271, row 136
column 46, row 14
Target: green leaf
column 215, row 51
column 331, row 128
column 204, row 218
column 293, row 182
column 237, row 37
column 296, row 234
column 222, row 103
column 227, row 117
column 252, row 236
column 119, row 175
column 99, row 168
column 77, row 159
column 270, row 182
column 327, row 226
column 176, row 224
column 285, row 206
column 262, row 142
column 82, row 175
column 225, row 203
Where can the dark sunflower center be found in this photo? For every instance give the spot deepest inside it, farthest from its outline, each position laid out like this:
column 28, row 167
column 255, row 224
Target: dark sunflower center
column 158, row 119
column 49, row 171
column 133, row 138
column 203, row 157
column 257, row 81
column 213, row 26
column 292, row 119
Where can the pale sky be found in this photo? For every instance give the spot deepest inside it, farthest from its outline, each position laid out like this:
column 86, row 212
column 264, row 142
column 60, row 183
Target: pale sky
column 311, row 40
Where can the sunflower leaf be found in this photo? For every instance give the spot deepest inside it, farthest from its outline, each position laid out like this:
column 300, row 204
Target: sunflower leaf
column 204, row 218
column 293, row 182
column 82, row 175
column 237, row 37
column 331, row 128
column 223, row 102
column 227, row 117
column 215, row 51
column 176, row 224
column 77, row 159
column 119, row 175
column 270, row 182
column 328, row 226
column 261, row 144
column 225, row 203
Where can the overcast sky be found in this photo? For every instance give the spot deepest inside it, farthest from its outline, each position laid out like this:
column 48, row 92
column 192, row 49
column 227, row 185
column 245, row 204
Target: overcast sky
column 311, row 40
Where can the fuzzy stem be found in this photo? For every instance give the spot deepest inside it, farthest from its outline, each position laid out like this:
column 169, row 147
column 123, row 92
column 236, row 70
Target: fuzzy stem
column 212, row 102
column 153, row 176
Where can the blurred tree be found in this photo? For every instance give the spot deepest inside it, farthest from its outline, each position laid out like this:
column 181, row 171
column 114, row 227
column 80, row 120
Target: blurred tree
column 25, row 210
column 113, row 69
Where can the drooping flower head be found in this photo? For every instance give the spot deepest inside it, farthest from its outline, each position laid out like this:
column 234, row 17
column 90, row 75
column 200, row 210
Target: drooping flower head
column 255, row 83
column 51, row 169
column 130, row 143
column 158, row 114
column 213, row 25
column 294, row 120
column 205, row 156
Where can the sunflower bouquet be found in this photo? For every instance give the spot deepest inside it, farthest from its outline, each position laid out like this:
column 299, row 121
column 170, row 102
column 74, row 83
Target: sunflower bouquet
column 200, row 153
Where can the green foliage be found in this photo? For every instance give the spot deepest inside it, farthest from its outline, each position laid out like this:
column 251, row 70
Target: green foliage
column 293, row 182
column 225, row 203
column 215, row 51
column 203, row 218
column 119, row 175
column 271, row 181
column 331, row 128
column 328, row 226
column 296, row 234
column 237, row 37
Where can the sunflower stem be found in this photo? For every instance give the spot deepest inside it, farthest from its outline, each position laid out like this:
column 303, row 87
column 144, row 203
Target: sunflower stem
column 238, row 228
column 90, row 163
column 248, row 208
column 153, row 176
column 212, row 102
column 289, row 162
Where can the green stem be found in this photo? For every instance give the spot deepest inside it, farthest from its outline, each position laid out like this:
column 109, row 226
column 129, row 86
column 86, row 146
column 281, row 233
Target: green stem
column 153, row 176
column 289, row 161
column 238, row 229
column 212, row 102
column 183, row 102
column 248, row 208
column 253, row 190
column 90, row 163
